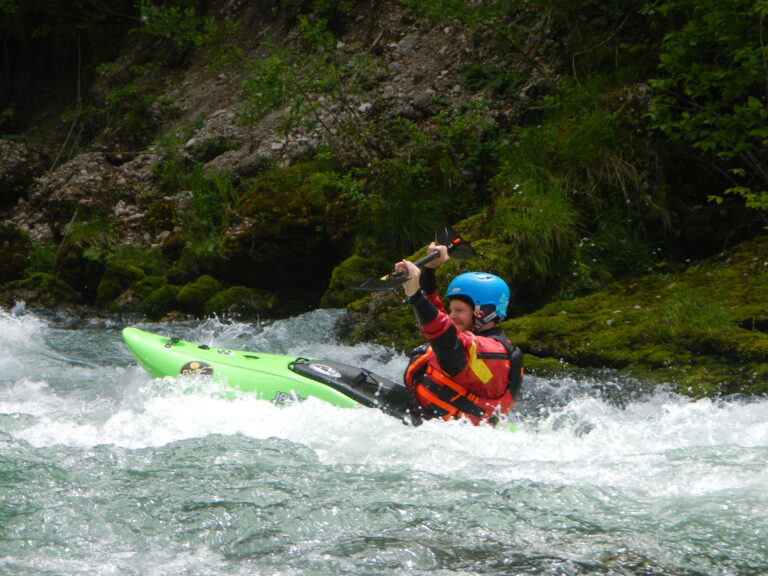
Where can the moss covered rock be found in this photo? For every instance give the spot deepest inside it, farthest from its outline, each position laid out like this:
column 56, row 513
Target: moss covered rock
column 160, row 302
column 698, row 329
column 193, row 296
column 241, row 302
column 280, row 239
column 15, row 249
column 130, row 299
column 353, row 269
column 117, row 276
column 40, row 290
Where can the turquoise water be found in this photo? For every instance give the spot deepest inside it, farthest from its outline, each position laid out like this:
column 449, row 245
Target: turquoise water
column 104, row 471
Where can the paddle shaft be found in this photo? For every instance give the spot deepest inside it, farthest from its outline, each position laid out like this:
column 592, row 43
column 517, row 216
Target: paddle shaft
column 420, row 262
column 457, row 248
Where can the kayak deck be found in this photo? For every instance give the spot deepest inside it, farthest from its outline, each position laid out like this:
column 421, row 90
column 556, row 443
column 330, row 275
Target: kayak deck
column 277, row 378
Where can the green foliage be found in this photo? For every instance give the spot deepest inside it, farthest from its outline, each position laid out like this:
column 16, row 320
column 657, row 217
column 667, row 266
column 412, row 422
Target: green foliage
column 391, row 208
column 93, row 236
column 752, row 199
column 495, row 18
column 6, row 116
column 399, row 213
column 393, row 205
column 596, row 152
column 588, row 34
column 711, row 89
column 267, row 84
column 327, row 8
column 541, row 227
column 43, row 259
column 687, row 328
column 463, row 147
column 128, row 111
column 178, row 22
column 501, row 82
column 317, row 85
column 204, row 213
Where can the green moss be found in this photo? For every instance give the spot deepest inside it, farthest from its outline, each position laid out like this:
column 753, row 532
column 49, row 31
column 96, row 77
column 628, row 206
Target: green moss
column 241, row 302
column 161, row 301
column 15, row 252
column 687, row 328
column 543, row 367
column 702, row 329
column 130, row 300
column 192, row 297
column 117, row 276
column 284, row 198
column 148, row 284
column 48, row 287
column 353, row 269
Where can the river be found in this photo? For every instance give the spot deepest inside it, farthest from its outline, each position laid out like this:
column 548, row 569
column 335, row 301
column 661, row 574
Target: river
column 105, row 471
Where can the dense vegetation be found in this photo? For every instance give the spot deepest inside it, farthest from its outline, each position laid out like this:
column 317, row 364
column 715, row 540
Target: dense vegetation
column 636, row 140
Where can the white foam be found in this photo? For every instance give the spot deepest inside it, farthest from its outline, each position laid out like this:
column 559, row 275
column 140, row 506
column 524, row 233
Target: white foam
column 664, row 444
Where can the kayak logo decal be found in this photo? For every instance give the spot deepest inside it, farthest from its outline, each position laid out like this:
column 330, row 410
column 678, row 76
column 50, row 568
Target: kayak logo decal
column 285, row 398
column 195, row 367
column 325, row 370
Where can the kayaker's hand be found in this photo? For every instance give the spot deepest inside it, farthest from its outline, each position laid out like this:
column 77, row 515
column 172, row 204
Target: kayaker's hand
column 411, row 285
column 442, row 258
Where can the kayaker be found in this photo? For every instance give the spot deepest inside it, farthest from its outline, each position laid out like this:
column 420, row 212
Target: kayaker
column 469, row 368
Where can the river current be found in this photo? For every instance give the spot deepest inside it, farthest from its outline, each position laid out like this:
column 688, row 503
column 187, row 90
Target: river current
column 104, row 470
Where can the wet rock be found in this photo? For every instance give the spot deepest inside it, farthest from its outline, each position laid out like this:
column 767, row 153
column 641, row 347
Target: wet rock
column 15, row 250
column 19, row 164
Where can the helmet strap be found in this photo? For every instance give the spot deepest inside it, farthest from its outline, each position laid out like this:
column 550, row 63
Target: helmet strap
column 484, row 315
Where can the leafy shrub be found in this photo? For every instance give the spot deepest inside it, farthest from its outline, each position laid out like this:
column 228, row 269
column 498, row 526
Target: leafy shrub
column 541, row 227
column 710, row 88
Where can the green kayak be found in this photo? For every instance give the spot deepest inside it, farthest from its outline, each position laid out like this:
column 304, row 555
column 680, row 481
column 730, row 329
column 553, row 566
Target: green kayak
column 279, row 379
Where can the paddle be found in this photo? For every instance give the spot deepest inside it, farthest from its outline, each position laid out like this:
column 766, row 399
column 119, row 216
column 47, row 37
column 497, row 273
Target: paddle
column 457, row 248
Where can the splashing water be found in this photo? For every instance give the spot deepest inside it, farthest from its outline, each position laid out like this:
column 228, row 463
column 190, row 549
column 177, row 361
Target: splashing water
column 104, row 470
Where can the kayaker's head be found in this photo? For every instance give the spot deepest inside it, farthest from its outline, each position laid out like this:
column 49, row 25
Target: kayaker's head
column 478, row 300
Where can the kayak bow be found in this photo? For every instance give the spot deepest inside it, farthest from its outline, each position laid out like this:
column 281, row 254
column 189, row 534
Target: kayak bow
column 277, row 378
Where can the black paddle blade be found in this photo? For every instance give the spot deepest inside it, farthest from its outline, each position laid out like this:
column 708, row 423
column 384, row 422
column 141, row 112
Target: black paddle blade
column 457, row 248
column 383, row 284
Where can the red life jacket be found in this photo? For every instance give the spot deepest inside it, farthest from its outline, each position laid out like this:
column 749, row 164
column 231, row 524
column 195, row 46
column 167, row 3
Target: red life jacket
column 437, row 394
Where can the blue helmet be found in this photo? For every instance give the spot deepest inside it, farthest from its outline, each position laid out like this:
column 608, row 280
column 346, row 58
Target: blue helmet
column 489, row 294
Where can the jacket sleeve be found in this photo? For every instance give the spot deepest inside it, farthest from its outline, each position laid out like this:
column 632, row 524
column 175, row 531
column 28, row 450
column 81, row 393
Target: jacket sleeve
column 428, row 280
column 440, row 331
